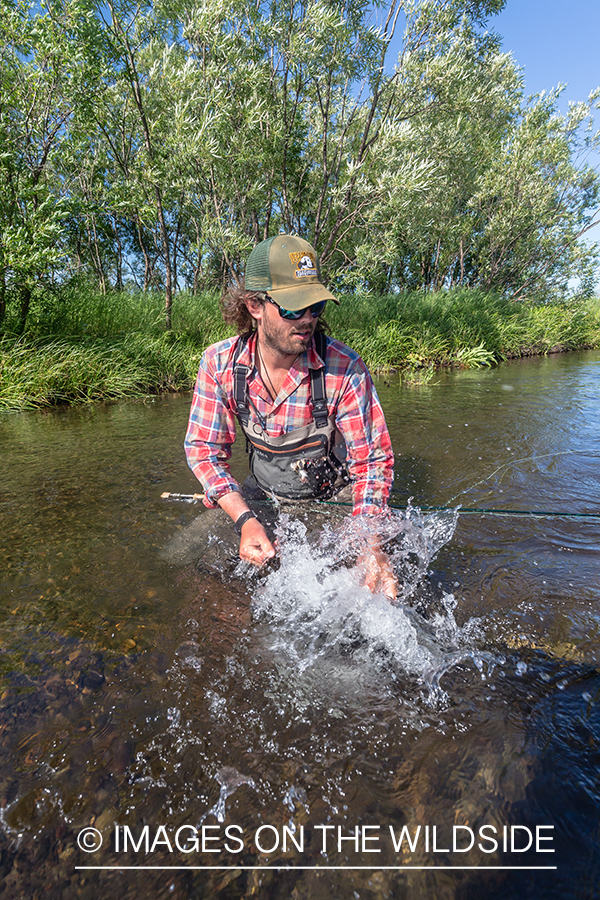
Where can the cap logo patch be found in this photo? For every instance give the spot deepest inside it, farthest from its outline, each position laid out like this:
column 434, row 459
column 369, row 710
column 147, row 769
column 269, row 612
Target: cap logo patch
column 305, row 262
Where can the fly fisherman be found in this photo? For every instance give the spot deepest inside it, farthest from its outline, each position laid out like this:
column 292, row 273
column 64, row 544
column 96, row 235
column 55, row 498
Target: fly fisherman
column 305, row 402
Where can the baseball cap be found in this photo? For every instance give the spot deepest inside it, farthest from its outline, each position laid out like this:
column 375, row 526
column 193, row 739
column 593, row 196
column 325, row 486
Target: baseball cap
column 287, row 267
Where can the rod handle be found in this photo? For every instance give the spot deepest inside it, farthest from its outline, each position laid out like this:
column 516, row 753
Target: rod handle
column 167, row 495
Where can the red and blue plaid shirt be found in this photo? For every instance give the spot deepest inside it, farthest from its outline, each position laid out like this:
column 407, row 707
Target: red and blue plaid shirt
column 351, row 398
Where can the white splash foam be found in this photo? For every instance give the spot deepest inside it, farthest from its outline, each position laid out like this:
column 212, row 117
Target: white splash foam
column 316, row 606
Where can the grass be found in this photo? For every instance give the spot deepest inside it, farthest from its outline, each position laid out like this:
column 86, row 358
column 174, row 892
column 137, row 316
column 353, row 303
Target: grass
column 465, row 328
column 81, row 346
column 82, row 311
column 38, row 372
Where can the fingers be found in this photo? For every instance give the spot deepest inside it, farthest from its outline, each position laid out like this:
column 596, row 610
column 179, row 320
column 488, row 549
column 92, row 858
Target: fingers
column 379, row 575
column 388, row 585
column 255, row 546
column 382, row 583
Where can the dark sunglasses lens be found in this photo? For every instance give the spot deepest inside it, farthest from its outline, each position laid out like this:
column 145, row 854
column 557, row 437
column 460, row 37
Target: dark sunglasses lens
column 316, row 310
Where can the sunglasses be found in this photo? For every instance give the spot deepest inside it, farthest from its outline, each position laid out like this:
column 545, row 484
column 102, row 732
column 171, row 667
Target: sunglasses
column 291, row 314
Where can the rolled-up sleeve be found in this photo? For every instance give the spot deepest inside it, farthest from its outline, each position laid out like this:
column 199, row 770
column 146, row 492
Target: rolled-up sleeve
column 370, row 459
column 210, row 434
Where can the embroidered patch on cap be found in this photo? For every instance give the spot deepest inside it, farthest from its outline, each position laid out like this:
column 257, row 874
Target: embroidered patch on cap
column 305, row 262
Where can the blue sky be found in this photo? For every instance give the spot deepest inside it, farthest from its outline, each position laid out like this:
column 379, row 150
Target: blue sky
column 555, row 41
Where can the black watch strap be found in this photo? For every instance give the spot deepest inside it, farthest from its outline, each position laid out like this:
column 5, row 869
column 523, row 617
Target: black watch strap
column 243, row 518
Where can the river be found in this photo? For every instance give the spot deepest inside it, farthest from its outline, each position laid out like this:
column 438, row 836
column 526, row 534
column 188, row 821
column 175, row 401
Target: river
column 172, row 730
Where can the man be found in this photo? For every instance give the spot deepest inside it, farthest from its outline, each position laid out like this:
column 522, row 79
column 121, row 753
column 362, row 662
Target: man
column 306, row 404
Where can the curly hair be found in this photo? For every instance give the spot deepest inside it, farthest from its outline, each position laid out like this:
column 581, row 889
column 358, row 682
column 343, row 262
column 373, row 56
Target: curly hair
column 234, row 309
column 235, row 312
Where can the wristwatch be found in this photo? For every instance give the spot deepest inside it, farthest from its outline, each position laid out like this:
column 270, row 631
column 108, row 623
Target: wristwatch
column 249, row 514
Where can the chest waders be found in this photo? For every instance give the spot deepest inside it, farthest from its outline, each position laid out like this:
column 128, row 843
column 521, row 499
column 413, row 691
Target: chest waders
column 302, row 464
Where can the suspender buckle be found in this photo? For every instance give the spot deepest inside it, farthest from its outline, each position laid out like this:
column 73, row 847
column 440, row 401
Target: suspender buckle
column 240, row 374
column 320, row 412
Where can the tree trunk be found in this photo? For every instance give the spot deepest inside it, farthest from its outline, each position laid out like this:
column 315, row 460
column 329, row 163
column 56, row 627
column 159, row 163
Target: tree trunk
column 167, row 255
column 137, row 96
column 2, row 299
column 24, row 311
column 119, row 243
column 147, row 262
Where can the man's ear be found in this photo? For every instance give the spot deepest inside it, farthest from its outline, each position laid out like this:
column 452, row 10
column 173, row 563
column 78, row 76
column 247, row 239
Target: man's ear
column 254, row 307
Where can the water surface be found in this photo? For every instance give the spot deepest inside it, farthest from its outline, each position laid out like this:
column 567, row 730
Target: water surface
column 137, row 692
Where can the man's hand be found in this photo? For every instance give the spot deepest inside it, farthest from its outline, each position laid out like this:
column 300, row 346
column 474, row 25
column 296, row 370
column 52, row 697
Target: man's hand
column 379, row 575
column 255, row 546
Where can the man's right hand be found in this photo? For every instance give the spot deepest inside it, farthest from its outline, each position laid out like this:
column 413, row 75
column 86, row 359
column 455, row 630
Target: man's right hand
column 255, row 546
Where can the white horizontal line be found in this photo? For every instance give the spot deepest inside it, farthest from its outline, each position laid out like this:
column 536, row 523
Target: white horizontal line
column 316, row 868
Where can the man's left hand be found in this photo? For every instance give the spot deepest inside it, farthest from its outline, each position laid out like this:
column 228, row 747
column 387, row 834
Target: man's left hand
column 379, row 575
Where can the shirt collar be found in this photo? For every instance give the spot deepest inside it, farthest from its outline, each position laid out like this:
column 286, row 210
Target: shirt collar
column 246, row 357
column 314, row 360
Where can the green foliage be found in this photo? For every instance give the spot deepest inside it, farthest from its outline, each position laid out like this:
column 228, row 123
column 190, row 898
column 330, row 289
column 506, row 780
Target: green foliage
column 148, row 146
column 80, row 310
column 33, row 118
column 37, row 373
column 463, row 328
column 83, row 346
column 87, row 346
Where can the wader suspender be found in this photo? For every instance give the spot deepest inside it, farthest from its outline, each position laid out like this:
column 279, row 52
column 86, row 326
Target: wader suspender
column 317, row 385
column 300, row 464
column 240, row 388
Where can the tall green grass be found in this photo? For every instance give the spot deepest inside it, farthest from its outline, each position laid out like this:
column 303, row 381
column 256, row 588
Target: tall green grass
column 81, row 346
column 83, row 311
column 463, row 328
column 36, row 372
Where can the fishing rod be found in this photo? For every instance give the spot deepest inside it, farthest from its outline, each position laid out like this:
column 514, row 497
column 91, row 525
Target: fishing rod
column 533, row 513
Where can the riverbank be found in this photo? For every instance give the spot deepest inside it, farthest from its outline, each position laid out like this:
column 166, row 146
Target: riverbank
column 84, row 347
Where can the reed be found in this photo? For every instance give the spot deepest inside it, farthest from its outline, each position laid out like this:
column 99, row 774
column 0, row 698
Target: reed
column 82, row 346
column 463, row 328
column 38, row 372
column 82, row 310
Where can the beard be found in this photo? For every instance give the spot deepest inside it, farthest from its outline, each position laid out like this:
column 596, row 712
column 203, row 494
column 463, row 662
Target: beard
column 287, row 339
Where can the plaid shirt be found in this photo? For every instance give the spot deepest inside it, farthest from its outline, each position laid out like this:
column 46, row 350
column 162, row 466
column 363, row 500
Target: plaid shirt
column 351, row 398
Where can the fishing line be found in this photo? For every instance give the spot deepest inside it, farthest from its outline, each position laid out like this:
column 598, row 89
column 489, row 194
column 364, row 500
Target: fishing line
column 535, row 513
column 513, row 462
column 480, row 511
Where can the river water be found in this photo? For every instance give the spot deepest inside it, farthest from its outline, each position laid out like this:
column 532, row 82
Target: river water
column 284, row 734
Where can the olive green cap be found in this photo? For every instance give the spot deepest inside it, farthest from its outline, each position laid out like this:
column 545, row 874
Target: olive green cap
column 287, row 268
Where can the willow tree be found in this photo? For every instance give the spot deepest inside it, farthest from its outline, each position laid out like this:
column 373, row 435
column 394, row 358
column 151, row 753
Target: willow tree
column 34, row 115
column 481, row 187
column 418, row 228
column 166, row 138
column 536, row 198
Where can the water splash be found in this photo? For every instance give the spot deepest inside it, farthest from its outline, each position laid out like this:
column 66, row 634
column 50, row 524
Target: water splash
column 230, row 780
column 320, row 616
